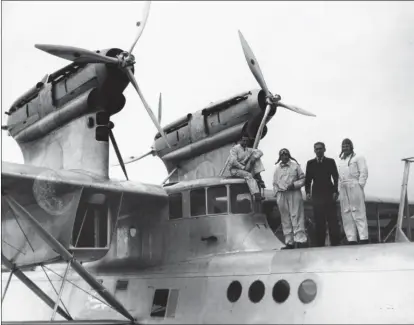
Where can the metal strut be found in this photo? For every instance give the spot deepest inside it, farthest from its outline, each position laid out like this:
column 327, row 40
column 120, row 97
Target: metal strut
column 404, row 206
column 32, row 286
column 7, row 285
column 61, row 291
column 64, row 253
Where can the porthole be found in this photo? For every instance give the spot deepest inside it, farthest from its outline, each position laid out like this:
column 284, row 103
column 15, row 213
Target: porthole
column 234, row 291
column 256, row 291
column 281, row 291
column 307, row 291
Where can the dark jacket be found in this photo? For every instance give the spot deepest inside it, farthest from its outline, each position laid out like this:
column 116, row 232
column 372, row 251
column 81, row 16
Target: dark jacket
column 321, row 175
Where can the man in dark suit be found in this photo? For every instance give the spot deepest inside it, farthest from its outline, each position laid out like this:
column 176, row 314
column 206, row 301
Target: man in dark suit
column 320, row 171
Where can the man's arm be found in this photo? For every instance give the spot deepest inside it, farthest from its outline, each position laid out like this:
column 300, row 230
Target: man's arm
column 301, row 179
column 335, row 175
column 363, row 171
column 275, row 180
column 308, row 177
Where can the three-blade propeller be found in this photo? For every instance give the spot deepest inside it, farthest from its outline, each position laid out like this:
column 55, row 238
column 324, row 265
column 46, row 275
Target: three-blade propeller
column 270, row 98
column 123, row 61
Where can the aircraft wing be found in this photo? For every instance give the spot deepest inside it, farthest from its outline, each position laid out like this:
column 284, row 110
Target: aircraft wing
column 54, row 198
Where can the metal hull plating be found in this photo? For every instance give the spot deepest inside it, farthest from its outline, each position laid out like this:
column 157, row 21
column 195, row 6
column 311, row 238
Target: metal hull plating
column 349, row 281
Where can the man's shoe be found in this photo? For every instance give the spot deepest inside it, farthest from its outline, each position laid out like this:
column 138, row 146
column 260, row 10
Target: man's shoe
column 364, row 241
column 301, row 245
column 288, row 246
column 258, row 197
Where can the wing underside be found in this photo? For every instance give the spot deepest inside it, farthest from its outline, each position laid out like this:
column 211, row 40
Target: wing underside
column 59, row 201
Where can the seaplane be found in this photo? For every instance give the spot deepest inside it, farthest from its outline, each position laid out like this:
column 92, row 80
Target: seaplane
column 81, row 248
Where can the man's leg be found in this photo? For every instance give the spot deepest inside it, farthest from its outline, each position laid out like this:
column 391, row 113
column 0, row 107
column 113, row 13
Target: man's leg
column 320, row 224
column 333, row 225
column 346, row 215
column 297, row 215
column 256, row 167
column 358, row 207
column 285, row 219
column 251, row 182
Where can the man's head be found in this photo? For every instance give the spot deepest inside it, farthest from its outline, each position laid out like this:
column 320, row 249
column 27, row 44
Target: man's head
column 284, row 155
column 347, row 147
column 319, row 148
column 244, row 141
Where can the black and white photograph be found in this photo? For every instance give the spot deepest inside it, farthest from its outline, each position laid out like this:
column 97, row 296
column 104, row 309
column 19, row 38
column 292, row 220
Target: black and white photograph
column 207, row 162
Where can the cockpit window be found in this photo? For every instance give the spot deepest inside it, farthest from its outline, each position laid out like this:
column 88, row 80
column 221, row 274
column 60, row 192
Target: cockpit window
column 240, row 198
column 217, row 199
column 198, row 202
column 175, row 204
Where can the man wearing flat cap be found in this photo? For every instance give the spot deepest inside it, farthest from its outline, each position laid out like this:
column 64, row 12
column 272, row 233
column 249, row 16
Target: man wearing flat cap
column 245, row 162
column 288, row 180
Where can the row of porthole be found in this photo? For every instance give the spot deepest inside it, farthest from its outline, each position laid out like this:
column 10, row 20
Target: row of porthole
column 306, row 292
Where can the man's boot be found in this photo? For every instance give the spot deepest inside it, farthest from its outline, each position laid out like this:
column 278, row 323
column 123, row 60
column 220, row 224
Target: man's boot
column 258, row 197
column 259, row 180
column 289, row 246
column 364, row 241
column 352, row 242
column 301, row 245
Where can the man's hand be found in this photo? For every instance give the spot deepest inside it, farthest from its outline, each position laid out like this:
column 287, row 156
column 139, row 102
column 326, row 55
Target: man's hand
column 291, row 187
column 247, row 167
column 308, row 197
column 335, row 196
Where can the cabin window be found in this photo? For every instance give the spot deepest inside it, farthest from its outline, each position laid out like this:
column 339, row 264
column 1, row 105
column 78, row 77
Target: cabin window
column 92, row 224
column 198, row 202
column 164, row 303
column 175, row 205
column 217, row 200
column 281, row 291
column 240, row 199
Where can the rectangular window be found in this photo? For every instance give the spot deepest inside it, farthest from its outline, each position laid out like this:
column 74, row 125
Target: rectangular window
column 164, row 303
column 175, row 205
column 217, row 199
column 91, row 226
column 172, row 303
column 121, row 292
column 159, row 304
column 240, row 199
column 198, row 202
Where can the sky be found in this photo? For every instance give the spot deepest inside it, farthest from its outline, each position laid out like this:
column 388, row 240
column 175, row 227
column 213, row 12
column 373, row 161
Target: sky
column 350, row 63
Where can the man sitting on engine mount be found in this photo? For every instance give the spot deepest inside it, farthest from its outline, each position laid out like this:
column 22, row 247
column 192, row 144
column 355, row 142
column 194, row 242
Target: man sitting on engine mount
column 245, row 162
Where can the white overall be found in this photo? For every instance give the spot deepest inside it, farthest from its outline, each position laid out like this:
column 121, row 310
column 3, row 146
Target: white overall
column 353, row 175
column 290, row 203
column 249, row 157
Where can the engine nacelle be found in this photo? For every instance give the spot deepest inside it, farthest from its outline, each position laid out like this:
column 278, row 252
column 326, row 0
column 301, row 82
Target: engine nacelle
column 73, row 91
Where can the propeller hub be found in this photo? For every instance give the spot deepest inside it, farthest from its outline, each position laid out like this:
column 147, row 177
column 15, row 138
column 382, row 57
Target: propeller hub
column 111, row 125
column 273, row 99
column 126, row 59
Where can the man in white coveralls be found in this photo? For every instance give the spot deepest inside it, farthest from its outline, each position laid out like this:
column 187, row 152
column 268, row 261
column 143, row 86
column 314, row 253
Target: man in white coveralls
column 245, row 162
column 288, row 180
column 353, row 175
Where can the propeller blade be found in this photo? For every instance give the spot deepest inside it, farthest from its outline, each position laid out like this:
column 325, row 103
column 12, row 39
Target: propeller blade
column 75, row 54
column 133, row 158
column 253, row 64
column 118, row 154
column 261, row 127
column 149, row 110
column 141, row 24
column 159, row 108
column 295, row 109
